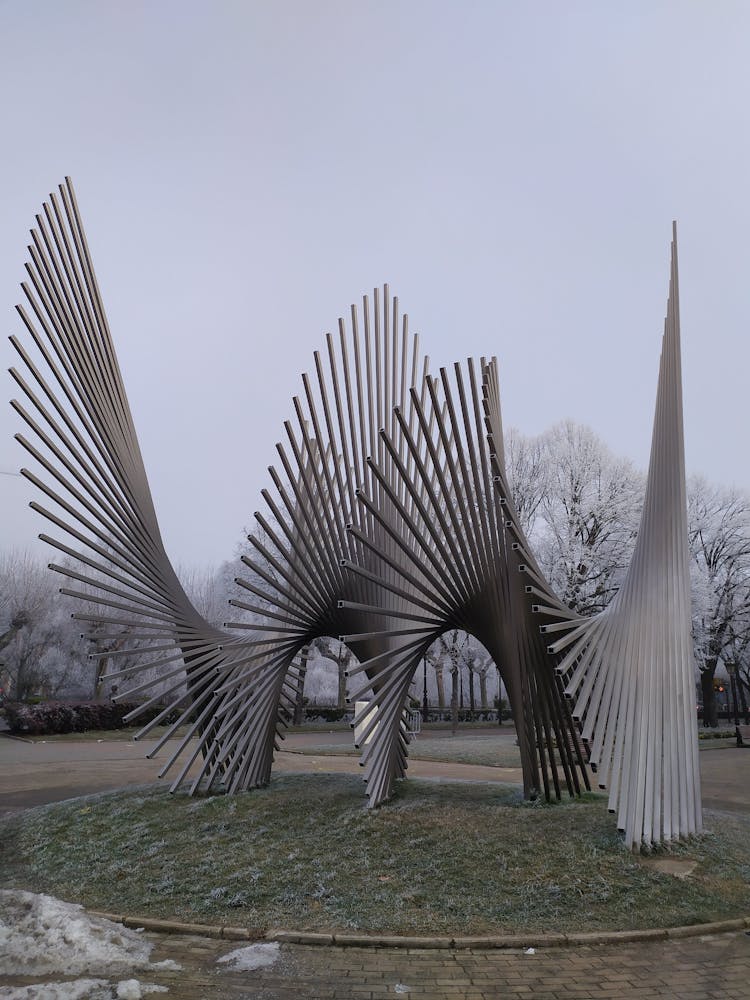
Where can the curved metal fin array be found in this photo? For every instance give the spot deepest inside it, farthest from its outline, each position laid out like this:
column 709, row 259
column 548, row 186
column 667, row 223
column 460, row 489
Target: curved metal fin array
column 460, row 552
column 316, row 532
column 82, row 438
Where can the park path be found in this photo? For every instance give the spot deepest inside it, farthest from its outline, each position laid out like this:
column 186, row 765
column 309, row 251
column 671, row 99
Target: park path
column 689, row 969
column 714, row 966
column 34, row 772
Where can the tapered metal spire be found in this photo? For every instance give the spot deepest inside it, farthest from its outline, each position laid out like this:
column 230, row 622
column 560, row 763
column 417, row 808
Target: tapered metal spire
column 630, row 669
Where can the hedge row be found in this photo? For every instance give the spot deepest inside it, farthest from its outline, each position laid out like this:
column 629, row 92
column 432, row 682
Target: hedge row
column 313, row 713
column 50, row 717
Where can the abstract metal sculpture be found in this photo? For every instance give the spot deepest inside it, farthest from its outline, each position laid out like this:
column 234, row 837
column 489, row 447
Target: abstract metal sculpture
column 391, row 521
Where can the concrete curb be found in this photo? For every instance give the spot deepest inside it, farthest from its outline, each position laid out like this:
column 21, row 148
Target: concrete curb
column 176, row 927
column 344, row 940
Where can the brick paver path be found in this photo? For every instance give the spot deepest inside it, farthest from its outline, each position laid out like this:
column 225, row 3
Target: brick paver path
column 717, row 966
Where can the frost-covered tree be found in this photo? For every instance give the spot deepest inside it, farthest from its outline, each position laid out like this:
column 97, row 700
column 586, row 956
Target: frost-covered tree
column 448, row 652
column 43, row 653
column 528, row 468
column 206, row 588
column 337, row 653
column 737, row 661
column 478, row 662
column 587, row 517
column 719, row 530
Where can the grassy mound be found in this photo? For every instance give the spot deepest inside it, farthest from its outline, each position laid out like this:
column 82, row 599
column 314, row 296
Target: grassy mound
column 304, row 853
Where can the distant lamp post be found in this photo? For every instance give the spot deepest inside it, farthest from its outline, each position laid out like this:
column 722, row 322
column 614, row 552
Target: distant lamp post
column 425, row 706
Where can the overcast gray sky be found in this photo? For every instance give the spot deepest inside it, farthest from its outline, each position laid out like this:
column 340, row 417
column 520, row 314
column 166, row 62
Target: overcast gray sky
column 245, row 170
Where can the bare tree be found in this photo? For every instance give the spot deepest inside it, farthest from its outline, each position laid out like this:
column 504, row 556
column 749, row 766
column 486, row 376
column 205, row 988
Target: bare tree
column 448, row 651
column 479, row 662
column 343, row 657
column 434, row 656
column 719, row 531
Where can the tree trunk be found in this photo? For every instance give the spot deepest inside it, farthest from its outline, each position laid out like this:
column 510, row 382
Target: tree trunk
column 741, row 685
column 734, row 701
column 454, row 700
column 15, row 627
column 26, row 680
column 103, row 663
column 472, row 698
column 483, row 690
column 440, row 681
column 101, row 670
column 710, row 717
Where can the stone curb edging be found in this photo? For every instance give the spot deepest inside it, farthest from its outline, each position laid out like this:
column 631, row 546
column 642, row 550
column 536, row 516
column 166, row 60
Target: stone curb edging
column 343, row 940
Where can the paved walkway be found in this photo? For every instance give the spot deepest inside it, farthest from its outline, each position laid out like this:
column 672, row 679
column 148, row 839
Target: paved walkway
column 715, row 966
column 33, row 773
column 705, row 967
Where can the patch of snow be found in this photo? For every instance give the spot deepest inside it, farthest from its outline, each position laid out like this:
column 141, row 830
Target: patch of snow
column 81, row 989
column 254, row 956
column 40, row 935
column 401, row 988
column 529, row 951
column 131, row 989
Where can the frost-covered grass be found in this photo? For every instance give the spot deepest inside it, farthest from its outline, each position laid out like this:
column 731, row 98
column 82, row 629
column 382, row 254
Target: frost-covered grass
column 304, row 853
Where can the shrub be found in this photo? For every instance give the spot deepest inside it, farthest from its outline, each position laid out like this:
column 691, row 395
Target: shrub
column 316, row 713
column 50, row 717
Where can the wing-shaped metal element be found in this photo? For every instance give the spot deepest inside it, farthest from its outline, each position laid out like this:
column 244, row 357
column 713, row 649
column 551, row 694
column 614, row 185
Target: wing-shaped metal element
column 316, row 532
column 630, row 670
column 83, row 441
